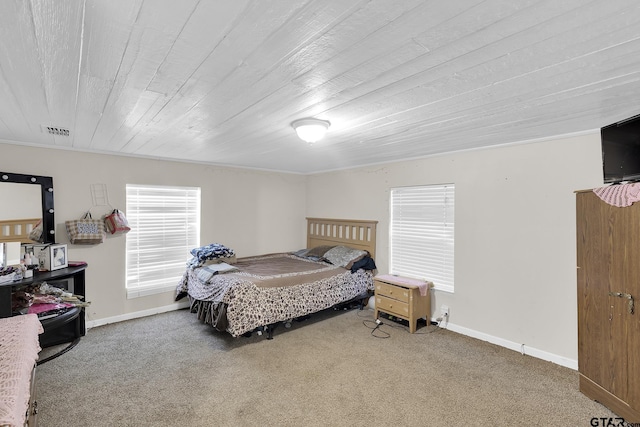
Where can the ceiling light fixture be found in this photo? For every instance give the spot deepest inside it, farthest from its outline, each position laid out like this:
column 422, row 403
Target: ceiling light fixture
column 311, row 130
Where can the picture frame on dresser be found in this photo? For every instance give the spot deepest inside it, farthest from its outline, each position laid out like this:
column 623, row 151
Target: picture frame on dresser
column 51, row 257
column 58, row 257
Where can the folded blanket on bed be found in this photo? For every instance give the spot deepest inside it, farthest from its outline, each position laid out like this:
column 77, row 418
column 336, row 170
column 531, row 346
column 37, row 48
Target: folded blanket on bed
column 208, row 252
column 206, row 273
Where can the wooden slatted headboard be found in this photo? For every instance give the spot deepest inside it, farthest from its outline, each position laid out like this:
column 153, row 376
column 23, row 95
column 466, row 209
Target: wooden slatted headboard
column 358, row 234
column 17, row 230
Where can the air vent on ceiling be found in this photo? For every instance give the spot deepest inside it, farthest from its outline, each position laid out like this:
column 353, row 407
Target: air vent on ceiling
column 51, row 130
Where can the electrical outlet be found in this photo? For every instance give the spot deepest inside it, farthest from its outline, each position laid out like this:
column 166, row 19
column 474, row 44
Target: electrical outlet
column 444, row 311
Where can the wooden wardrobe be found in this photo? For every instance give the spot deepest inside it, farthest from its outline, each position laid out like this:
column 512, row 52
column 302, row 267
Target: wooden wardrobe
column 608, row 255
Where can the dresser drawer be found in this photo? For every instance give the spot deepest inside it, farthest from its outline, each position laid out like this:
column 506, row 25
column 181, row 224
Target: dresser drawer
column 392, row 306
column 391, row 291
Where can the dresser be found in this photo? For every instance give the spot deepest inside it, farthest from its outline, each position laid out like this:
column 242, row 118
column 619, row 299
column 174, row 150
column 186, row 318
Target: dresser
column 402, row 297
column 65, row 328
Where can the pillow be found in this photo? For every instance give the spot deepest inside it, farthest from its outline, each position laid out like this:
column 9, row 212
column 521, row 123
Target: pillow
column 343, row 256
column 302, row 253
column 318, row 251
column 314, row 254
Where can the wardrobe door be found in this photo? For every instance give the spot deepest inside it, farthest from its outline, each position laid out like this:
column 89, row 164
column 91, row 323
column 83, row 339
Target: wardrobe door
column 608, row 255
column 595, row 341
column 624, row 273
column 624, row 298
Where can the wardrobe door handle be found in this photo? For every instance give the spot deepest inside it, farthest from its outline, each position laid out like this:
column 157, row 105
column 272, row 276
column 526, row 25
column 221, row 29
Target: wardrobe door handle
column 630, row 306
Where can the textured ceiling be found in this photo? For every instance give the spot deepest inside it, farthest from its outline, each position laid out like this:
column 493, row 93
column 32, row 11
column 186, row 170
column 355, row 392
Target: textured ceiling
column 220, row 82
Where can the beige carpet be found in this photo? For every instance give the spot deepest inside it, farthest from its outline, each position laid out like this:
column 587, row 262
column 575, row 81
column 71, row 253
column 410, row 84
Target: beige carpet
column 171, row 370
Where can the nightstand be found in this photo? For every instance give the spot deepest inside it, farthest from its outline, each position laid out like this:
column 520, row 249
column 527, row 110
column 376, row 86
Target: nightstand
column 401, row 297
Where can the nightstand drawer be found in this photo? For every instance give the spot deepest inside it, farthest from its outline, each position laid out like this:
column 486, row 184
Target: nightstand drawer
column 391, row 291
column 393, row 306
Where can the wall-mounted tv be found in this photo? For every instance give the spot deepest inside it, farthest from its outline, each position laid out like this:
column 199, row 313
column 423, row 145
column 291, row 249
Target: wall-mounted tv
column 621, row 151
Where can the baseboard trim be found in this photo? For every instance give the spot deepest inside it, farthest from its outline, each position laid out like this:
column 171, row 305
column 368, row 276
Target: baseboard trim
column 521, row 348
column 137, row 314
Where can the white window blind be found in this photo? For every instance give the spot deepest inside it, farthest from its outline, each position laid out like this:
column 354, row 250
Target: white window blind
column 165, row 226
column 422, row 233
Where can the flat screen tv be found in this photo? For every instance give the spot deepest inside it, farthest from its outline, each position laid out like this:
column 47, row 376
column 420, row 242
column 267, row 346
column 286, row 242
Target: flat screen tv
column 621, row 151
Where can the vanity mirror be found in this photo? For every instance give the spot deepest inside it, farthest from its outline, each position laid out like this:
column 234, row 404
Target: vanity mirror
column 31, row 191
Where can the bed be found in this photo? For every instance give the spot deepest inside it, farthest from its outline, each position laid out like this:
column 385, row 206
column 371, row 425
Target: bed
column 17, row 230
column 260, row 292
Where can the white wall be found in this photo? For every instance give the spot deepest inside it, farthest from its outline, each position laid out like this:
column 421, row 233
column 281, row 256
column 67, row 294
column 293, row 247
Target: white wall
column 250, row 211
column 515, row 280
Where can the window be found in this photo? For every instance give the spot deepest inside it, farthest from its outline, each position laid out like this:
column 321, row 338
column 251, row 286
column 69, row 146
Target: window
column 421, row 233
column 165, row 226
